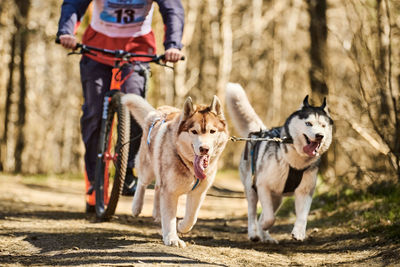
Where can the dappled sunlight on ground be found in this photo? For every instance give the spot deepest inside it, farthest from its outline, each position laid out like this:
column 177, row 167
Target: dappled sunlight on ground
column 42, row 223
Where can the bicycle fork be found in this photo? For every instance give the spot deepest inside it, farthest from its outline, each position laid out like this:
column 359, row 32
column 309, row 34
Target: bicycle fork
column 104, row 154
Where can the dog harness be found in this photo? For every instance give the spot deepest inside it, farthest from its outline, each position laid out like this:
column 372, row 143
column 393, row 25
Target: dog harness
column 196, row 183
column 151, row 128
column 294, row 176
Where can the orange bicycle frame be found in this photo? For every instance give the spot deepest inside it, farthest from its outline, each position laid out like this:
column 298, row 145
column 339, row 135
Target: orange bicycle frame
column 116, row 83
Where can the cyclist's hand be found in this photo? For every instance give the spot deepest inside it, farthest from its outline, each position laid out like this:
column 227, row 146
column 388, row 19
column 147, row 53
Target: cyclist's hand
column 173, row 55
column 68, row 41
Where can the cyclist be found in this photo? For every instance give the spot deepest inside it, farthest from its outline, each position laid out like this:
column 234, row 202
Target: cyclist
column 116, row 25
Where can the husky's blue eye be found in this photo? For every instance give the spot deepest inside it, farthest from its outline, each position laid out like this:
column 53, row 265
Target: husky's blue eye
column 194, row 132
column 308, row 123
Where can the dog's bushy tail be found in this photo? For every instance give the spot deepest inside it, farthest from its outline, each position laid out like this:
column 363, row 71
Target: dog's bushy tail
column 138, row 107
column 243, row 116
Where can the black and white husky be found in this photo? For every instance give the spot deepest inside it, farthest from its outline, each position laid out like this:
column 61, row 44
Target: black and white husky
column 270, row 170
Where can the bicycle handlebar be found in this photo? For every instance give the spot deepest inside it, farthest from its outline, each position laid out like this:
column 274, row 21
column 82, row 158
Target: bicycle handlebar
column 118, row 54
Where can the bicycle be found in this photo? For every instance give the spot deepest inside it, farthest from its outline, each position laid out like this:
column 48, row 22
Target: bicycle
column 114, row 140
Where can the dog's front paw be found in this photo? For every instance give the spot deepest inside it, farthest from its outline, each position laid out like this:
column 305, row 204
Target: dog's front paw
column 298, row 234
column 157, row 219
column 184, row 227
column 254, row 238
column 266, row 238
column 156, row 216
column 174, row 242
column 135, row 210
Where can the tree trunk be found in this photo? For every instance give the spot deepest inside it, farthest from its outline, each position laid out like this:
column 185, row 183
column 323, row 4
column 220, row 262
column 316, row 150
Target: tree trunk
column 318, row 49
column 11, row 66
column 386, row 58
column 181, row 86
column 382, row 64
column 318, row 36
column 22, row 33
column 204, row 23
column 225, row 56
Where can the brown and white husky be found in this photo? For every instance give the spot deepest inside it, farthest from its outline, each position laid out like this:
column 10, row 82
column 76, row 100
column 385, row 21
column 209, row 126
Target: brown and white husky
column 180, row 150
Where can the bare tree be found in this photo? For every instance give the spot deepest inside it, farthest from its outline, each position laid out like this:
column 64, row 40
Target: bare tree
column 21, row 22
column 225, row 55
column 9, row 93
column 318, row 52
column 318, row 56
column 372, row 108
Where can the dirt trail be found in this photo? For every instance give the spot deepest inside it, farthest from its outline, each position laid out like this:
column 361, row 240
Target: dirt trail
column 43, row 223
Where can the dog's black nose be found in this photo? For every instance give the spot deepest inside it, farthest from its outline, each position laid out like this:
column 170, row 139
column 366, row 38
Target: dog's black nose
column 319, row 136
column 204, row 150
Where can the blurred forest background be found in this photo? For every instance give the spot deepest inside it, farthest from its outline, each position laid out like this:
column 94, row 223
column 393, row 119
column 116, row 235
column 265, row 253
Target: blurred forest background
column 279, row 50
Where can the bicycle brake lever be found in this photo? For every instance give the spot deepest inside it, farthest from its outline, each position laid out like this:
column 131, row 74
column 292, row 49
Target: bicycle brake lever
column 162, row 58
column 83, row 50
column 74, row 53
column 165, row 65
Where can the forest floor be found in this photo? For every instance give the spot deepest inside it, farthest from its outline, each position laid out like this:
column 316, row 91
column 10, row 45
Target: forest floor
column 42, row 222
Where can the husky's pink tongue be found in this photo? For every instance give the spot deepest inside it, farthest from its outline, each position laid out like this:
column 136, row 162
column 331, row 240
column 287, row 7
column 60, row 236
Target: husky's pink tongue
column 311, row 148
column 200, row 165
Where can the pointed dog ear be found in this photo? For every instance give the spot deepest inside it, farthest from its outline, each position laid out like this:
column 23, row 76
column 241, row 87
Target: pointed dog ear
column 305, row 103
column 216, row 107
column 323, row 104
column 188, row 108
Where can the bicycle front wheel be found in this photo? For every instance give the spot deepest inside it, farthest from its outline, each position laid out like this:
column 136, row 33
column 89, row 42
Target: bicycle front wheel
column 112, row 158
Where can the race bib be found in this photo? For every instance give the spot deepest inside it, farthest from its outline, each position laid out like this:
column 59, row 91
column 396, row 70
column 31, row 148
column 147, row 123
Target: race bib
column 124, row 11
column 122, row 18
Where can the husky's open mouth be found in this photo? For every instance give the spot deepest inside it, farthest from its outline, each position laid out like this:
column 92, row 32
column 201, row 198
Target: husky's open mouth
column 200, row 165
column 311, row 149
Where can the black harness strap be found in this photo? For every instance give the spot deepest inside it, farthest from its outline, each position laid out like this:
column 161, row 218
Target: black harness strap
column 255, row 147
column 294, row 177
